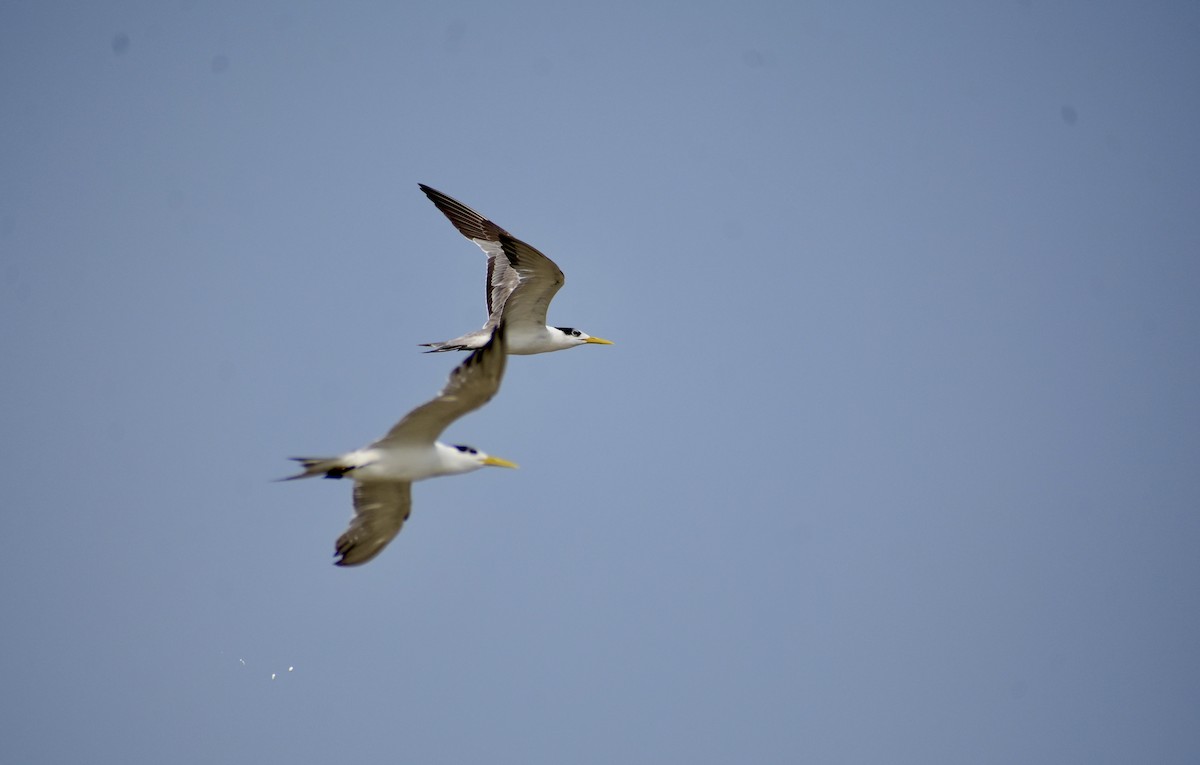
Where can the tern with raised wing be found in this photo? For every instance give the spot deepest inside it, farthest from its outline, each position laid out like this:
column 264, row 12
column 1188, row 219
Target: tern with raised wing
column 521, row 282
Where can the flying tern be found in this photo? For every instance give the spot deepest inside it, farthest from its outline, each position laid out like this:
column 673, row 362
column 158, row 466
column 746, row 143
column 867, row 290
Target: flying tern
column 521, row 282
column 383, row 472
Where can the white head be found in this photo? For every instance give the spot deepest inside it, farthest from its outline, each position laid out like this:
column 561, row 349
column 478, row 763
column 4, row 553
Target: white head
column 572, row 337
column 457, row 458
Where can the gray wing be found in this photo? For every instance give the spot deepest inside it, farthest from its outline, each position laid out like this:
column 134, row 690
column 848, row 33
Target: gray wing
column 512, row 264
column 471, row 385
column 540, row 282
column 380, row 509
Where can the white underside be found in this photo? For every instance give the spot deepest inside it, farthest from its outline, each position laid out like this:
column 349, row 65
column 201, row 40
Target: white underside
column 413, row 463
column 527, row 341
column 521, row 341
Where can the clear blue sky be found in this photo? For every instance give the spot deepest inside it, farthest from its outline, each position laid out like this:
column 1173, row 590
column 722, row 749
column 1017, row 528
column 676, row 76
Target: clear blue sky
column 896, row 457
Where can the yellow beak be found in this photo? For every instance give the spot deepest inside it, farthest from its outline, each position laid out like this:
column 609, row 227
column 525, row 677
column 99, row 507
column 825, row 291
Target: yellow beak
column 599, row 341
column 497, row 462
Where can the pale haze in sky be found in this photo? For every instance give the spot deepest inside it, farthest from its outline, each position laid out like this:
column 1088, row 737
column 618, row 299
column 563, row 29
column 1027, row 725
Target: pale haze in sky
column 895, row 458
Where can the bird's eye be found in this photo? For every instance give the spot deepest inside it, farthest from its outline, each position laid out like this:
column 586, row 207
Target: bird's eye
column 575, row 332
column 466, row 450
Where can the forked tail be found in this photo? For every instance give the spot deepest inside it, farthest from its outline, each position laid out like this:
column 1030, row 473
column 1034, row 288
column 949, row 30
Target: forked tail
column 442, row 347
column 327, row 467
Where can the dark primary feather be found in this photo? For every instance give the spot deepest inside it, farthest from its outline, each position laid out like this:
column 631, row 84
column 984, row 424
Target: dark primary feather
column 470, row 224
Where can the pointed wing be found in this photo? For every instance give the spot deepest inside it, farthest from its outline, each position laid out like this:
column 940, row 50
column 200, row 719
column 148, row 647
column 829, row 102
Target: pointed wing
column 471, row 385
column 513, row 265
column 380, row 509
column 501, row 280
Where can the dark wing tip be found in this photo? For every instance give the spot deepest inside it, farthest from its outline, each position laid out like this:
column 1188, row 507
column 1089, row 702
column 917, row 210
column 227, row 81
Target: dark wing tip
column 349, row 555
column 469, row 223
column 353, row 549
